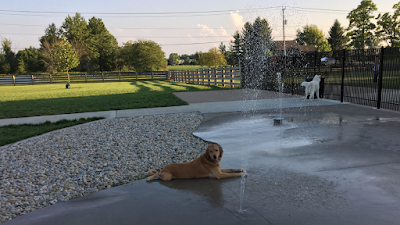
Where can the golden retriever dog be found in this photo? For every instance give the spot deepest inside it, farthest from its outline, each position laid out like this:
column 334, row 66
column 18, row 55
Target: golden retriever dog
column 204, row 166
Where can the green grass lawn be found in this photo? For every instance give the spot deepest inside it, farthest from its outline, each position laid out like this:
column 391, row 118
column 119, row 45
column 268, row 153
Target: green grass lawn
column 51, row 99
column 185, row 67
column 12, row 133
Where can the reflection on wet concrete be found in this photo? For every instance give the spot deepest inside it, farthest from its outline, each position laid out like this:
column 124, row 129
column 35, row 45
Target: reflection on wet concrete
column 207, row 188
column 324, row 168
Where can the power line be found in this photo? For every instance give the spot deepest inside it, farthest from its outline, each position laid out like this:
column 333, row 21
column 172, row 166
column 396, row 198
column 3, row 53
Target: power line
column 133, row 28
column 135, row 13
column 125, row 14
column 133, row 36
column 198, row 43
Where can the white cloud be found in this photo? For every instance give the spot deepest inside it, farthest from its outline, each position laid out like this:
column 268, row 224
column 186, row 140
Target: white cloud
column 223, row 31
column 191, row 38
column 119, row 29
column 206, row 28
column 237, row 19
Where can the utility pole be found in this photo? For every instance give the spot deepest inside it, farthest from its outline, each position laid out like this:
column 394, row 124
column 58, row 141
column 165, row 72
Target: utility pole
column 284, row 23
column 284, row 44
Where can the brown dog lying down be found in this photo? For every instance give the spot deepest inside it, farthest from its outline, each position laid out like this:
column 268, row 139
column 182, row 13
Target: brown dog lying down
column 205, row 165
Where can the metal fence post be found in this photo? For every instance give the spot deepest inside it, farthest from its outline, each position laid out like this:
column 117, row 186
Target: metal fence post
column 378, row 103
column 342, row 84
column 315, row 63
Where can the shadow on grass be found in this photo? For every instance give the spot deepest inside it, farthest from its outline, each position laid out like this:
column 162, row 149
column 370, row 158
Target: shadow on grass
column 180, row 87
column 148, row 99
column 13, row 133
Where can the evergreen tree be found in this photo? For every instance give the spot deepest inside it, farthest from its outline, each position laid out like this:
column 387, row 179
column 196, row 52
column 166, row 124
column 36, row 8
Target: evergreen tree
column 21, row 66
column 337, row 37
column 32, row 58
column 236, row 48
column 51, row 34
column 256, row 39
column 9, row 61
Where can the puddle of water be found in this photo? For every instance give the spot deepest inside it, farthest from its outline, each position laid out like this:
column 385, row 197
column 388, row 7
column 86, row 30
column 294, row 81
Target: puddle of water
column 263, row 136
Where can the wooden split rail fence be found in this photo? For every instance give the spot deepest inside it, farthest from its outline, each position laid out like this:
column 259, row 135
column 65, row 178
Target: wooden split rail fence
column 229, row 76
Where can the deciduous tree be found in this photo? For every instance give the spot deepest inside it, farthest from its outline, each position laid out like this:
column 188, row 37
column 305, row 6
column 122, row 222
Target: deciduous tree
column 213, row 57
column 173, row 59
column 144, row 55
column 67, row 57
column 388, row 29
column 311, row 35
column 60, row 56
column 360, row 25
column 101, row 45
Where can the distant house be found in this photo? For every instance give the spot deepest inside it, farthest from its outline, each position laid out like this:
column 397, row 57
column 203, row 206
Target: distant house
column 293, row 47
column 181, row 61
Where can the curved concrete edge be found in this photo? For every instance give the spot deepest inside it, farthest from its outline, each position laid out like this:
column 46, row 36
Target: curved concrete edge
column 207, row 107
column 55, row 118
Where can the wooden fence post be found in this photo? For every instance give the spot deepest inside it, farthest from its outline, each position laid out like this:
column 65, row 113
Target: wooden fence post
column 102, row 75
column 209, row 76
column 119, row 76
column 186, row 77
column 14, row 80
column 151, row 75
column 202, row 74
column 51, row 79
column 33, row 80
column 215, row 76
column 197, row 73
column 86, row 77
column 223, row 76
column 136, row 75
column 232, row 77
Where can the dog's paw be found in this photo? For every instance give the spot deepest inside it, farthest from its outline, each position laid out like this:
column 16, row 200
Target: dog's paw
column 244, row 174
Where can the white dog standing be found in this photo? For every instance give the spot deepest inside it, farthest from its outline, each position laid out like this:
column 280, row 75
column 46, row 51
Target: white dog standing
column 312, row 87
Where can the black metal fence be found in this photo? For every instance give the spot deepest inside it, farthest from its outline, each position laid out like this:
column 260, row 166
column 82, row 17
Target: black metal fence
column 348, row 75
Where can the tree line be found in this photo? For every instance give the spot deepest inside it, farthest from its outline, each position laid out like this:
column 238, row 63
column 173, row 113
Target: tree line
column 88, row 46
column 361, row 33
column 84, row 46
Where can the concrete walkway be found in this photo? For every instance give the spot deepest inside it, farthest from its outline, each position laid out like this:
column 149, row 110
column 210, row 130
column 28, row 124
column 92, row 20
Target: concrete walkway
column 203, row 102
column 329, row 163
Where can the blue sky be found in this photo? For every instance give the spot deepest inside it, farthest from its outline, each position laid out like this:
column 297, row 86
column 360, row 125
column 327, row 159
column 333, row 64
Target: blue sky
column 201, row 24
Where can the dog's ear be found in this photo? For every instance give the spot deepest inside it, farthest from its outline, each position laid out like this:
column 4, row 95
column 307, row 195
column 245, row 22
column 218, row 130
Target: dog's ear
column 208, row 157
column 220, row 152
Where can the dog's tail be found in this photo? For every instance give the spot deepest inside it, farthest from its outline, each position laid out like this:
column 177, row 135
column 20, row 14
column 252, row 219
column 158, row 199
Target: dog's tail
column 305, row 84
column 152, row 174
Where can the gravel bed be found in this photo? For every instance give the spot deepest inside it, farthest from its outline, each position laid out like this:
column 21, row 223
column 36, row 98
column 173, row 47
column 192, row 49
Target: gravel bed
column 84, row 159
